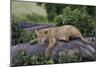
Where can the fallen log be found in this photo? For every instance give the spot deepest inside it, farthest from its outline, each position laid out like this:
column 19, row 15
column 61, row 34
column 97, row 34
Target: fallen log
column 72, row 48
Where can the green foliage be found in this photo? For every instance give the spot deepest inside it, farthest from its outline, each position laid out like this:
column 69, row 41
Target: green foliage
column 22, row 58
column 28, row 11
column 30, row 18
column 53, row 10
column 26, row 36
column 20, row 35
column 78, row 17
column 16, row 33
column 35, row 18
column 64, row 57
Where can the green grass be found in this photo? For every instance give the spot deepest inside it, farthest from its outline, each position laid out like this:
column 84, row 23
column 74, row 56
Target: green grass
column 28, row 11
column 20, row 8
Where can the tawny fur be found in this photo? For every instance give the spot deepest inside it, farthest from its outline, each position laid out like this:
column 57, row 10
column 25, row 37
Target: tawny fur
column 57, row 33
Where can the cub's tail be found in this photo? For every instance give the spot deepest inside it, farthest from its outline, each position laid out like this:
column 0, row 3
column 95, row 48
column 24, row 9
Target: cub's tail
column 84, row 40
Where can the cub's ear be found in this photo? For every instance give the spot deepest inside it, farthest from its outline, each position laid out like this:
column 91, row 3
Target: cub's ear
column 36, row 31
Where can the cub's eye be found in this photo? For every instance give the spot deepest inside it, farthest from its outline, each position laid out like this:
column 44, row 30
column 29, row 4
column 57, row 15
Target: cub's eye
column 46, row 32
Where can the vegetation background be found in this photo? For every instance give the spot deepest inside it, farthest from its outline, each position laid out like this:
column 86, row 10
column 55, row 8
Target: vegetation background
column 81, row 16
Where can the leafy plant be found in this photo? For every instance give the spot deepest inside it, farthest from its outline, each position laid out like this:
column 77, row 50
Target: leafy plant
column 20, row 35
column 78, row 17
column 22, row 58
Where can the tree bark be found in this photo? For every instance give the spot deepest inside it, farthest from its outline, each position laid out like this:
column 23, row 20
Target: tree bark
column 72, row 47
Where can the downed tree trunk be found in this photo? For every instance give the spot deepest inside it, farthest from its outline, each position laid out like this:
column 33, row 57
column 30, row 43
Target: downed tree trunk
column 71, row 48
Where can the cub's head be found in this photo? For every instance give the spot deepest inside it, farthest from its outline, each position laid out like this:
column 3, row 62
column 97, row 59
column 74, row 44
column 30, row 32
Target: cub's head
column 41, row 35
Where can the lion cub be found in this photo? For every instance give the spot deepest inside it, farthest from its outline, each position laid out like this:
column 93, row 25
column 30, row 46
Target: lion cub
column 57, row 33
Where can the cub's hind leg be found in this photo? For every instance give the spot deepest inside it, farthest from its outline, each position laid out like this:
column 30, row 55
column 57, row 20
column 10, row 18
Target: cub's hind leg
column 64, row 38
